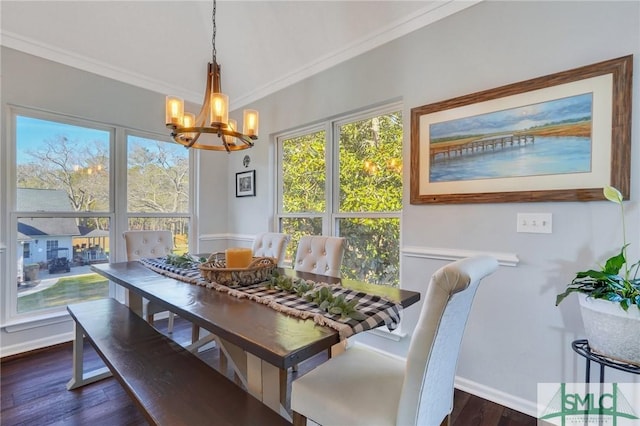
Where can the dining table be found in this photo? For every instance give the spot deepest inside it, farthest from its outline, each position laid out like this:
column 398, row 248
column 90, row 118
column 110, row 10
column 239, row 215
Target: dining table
column 261, row 343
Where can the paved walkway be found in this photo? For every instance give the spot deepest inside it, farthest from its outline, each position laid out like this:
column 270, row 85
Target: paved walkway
column 47, row 280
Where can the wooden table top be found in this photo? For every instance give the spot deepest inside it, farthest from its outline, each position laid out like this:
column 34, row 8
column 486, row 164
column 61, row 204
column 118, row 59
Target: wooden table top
column 277, row 338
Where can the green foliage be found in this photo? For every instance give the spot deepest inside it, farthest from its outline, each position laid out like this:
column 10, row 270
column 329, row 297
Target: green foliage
column 289, row 284
column 321, row 297
column 369, row 181
column 327, row 302
column 611, row 282
column 185, row 260
column 303, row 173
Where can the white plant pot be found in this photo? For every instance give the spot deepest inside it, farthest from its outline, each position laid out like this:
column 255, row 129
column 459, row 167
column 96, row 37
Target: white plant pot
column 611, row 330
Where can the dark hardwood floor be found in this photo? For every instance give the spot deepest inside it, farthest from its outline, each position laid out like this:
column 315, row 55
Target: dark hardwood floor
column 33, row 392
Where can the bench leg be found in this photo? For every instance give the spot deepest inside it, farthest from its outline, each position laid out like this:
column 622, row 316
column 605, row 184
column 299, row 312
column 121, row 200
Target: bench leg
column 78, row 376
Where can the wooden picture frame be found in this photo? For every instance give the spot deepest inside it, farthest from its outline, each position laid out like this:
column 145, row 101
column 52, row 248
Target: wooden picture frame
column 246, row 184
column 478, row 148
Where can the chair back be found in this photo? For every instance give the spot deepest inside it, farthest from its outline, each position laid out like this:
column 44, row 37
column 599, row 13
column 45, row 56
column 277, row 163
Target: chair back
column 320, row 255
column 149, row 244
column 271, row 244
column 427, row 391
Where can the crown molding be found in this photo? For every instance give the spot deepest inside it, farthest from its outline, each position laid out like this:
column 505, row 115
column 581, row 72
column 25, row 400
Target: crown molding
column 434, row 12
column 84, row 63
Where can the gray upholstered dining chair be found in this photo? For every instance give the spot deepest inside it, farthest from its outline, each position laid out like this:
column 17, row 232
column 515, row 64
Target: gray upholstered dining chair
column 363, row 386
column 271, row 244
column 320, row 255
column 150, row 244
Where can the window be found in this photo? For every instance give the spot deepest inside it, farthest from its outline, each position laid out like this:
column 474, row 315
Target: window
column 70, row 204
column 158, row 188
column 345, row 179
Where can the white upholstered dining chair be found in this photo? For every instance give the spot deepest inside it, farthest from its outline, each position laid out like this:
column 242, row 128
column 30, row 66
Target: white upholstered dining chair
column 363, row 386
column 150, row 244
column 271, row 244
column 320, row 255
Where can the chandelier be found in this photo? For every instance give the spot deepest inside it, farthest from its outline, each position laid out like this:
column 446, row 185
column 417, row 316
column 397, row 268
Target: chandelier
column 213, row 118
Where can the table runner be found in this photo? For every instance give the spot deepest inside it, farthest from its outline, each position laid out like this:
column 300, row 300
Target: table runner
column 378, row 310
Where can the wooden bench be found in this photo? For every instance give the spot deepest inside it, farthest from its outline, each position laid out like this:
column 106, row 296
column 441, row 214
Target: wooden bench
column 169, row 384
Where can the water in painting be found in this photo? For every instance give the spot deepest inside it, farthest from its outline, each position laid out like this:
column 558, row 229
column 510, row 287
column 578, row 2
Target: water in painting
column 541, row 139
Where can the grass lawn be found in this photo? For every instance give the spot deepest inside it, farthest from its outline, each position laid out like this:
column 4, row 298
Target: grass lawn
column 67, row 290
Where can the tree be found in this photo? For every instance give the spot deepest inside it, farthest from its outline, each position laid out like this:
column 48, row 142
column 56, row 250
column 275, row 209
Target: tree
column 79, row 168
column 370, row 180
column 158, row 178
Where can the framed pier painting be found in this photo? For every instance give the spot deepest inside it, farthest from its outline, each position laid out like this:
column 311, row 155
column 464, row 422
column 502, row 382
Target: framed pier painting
column 561, row 137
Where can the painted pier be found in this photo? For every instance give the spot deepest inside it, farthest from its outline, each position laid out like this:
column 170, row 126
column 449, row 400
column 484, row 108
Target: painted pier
column 480, row 145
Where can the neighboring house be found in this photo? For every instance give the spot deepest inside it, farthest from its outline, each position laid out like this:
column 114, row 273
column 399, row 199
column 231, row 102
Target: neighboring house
column 38, row 237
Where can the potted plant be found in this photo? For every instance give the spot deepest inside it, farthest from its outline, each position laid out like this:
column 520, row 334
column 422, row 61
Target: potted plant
column 610, row 301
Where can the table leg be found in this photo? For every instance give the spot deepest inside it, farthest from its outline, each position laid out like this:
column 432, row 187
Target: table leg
column 237, row 358
column 134, row 302
column 263, row 380
column 338, row 348
column 268, row 383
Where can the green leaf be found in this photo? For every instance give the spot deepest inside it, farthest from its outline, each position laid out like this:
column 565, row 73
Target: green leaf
column 612, row 194
column 357, row 315
column 615, row 263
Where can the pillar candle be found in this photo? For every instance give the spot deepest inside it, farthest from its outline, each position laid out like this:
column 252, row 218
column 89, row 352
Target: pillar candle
column 238, row 257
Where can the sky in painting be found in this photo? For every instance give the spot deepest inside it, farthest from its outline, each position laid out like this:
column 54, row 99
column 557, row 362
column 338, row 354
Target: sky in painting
column 516, row 119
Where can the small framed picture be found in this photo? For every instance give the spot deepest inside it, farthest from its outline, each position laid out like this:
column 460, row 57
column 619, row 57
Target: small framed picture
column 246, row 184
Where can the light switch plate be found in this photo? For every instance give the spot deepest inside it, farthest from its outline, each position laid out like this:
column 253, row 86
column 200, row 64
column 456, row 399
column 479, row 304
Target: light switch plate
column 537, row 223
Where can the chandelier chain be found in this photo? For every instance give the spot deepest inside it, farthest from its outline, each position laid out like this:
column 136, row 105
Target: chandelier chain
column 213, row 35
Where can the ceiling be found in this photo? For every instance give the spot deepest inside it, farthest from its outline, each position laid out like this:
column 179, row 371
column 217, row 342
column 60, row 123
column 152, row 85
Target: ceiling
column 262, row 46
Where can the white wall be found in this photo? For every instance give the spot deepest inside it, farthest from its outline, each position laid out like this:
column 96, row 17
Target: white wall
column 516, row 337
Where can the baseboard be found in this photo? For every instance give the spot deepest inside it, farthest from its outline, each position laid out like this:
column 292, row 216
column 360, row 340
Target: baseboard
column 32, row 345
column 515, row 403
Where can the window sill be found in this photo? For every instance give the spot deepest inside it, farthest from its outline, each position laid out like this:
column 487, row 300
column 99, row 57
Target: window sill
column 42, row 320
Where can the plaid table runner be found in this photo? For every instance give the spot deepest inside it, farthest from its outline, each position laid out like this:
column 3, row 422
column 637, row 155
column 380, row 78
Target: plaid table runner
column 378, row 310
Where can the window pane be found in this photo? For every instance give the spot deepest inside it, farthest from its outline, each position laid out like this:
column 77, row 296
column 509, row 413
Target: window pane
column 158, row 176
column 371, row 164
column 179, row 227
column 373, row 249
column 297, row 227
column 54, row 254
column 70, row 164
column 303, row 173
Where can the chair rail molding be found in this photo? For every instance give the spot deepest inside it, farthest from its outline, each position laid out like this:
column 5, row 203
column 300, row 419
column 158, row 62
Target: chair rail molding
column 441, row 253
column 226, row 237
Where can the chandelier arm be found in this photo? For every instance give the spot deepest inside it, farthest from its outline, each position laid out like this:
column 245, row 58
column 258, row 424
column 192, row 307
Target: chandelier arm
column 193, row 141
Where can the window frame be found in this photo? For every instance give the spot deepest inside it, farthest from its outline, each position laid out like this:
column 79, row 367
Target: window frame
column 116, row 213
column 123, row 196
column 332, row 216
